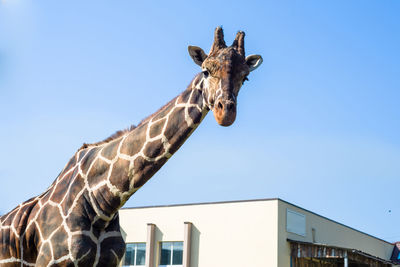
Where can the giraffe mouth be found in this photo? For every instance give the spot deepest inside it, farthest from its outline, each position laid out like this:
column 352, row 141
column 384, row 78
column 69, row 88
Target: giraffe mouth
column 225, row 112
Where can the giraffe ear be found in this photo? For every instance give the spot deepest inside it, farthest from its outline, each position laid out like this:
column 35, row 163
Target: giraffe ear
column 197, row 54
column 254, row 61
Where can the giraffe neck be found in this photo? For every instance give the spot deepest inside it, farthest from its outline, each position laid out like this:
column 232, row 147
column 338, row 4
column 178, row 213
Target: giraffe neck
column 113, row 171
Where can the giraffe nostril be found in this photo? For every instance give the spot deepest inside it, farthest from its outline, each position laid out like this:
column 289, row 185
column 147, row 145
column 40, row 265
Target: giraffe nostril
column 220, row 106
column 230, row 106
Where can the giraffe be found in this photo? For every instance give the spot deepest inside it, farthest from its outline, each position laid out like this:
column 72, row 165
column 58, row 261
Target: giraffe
column 75, row 221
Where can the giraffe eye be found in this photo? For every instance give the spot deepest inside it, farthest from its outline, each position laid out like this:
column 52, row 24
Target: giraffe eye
column 206, row 73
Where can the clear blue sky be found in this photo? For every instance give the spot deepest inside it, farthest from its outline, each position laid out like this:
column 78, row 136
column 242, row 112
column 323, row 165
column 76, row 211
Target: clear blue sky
column 318, row 123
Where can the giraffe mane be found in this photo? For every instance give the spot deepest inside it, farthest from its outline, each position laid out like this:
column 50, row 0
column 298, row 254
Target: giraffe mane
column 110, row 138
column 120, row 133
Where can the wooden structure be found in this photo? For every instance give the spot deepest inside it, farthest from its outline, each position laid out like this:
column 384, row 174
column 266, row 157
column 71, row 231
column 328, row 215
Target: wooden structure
column 305, row 254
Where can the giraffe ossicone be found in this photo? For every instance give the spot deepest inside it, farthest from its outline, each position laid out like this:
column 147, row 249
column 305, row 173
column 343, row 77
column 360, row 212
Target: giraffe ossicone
column 75, row 221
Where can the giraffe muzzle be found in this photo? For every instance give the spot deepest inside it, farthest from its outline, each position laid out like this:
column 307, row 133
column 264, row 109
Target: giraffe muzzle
column 225, row 112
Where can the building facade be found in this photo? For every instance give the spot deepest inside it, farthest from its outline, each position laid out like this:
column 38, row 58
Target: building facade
column 266, row 232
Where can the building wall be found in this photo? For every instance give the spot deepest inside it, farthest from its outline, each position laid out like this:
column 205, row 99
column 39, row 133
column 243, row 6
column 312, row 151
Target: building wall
column 249, row 233
column 224, row 234
column 326, row 232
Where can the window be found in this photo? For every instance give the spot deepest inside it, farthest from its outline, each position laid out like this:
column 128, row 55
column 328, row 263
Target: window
column 295, row 222
column 171, row 254
column 135, row 254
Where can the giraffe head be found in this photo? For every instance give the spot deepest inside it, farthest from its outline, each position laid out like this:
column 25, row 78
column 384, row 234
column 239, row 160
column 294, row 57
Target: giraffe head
column 224, row 70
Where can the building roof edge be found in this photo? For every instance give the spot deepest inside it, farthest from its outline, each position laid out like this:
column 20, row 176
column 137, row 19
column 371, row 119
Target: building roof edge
column 254, row 200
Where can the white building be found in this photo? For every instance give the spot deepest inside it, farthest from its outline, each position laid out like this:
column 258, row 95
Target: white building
column 265, row 232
